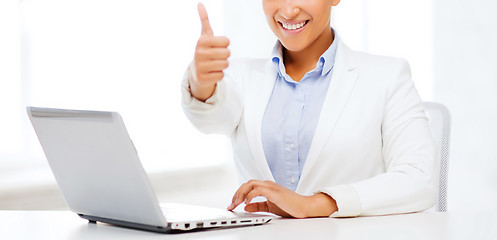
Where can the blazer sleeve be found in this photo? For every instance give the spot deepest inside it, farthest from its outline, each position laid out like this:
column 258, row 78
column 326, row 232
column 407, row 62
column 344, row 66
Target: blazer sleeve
column 409, row 155
column 220, row 113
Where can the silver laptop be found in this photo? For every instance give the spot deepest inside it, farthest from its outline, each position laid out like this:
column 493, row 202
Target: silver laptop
column 101, row 177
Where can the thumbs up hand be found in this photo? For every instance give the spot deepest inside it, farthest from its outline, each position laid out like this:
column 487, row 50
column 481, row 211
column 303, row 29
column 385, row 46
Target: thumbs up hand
column 211, row 58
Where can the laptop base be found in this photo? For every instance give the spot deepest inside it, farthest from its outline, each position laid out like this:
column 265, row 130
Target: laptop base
column 158, row 229
column 95, row 219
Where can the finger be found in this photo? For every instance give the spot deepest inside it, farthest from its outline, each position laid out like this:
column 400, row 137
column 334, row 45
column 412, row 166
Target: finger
column 204, row 20
column 234, row 199
column 238, row 193
column 212, row 66
column 238, row 197
column 260, row 190
column 257, row 207
column 246, row 189
column 212, row 76
column 212, row 54
column 252, row 194
column 213, row 41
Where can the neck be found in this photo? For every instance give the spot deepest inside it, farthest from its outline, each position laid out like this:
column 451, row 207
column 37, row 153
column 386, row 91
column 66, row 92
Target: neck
column 306, row 59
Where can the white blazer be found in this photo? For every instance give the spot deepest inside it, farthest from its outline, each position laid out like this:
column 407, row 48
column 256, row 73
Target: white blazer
column 372, row 150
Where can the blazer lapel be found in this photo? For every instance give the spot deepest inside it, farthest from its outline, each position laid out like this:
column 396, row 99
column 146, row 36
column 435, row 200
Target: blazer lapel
column 255, row 105
column 343, row 79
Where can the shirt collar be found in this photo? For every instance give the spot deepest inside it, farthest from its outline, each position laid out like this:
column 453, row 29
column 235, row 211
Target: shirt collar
column 327, row 59
column 277, row 58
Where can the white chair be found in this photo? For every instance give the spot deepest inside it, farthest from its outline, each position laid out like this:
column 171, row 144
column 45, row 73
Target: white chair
column 440, row 124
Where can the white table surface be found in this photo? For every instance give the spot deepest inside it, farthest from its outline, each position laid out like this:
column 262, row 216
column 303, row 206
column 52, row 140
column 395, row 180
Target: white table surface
column 428, row 225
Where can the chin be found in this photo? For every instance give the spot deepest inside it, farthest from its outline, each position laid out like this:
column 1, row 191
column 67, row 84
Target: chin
column 293, row 46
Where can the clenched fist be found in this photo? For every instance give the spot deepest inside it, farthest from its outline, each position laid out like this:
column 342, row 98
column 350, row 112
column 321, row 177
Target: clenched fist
column 211, row 58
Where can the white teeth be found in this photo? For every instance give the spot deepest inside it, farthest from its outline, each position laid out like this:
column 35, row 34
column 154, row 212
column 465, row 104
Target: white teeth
column 292, row 26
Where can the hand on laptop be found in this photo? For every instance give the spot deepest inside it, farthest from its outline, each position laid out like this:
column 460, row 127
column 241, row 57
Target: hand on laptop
column 211, row 58
column 282, row 201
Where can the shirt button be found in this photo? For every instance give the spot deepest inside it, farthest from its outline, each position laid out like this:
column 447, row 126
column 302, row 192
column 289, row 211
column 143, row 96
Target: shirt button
column 293, row 180
column 292, row 145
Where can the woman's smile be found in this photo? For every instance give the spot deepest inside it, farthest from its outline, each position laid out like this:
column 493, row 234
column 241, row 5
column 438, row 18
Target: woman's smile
column 293, row 27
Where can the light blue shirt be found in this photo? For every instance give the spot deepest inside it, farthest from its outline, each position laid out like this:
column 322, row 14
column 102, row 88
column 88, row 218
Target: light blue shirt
column 291, row 116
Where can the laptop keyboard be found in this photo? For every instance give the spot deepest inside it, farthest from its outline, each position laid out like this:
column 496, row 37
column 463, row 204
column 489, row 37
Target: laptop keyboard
column 183, row 212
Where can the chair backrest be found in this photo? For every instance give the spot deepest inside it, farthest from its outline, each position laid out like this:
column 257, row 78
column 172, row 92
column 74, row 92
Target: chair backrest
column 440, row 124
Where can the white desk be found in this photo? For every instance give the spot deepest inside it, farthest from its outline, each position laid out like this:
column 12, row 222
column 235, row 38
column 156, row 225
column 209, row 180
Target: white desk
column 431, row 225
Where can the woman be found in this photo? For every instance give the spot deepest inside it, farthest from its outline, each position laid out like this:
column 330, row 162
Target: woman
column 317, row 129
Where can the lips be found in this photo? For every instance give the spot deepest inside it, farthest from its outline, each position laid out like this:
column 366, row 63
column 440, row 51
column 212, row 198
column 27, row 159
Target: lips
column 293, row 25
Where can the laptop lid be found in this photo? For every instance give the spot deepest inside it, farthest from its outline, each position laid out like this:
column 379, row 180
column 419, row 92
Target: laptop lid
column 96, row 165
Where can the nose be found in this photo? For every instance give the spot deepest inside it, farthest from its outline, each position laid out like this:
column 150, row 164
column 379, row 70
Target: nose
column 290, row 10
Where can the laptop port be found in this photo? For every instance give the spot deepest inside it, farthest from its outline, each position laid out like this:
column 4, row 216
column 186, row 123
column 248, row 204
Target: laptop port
column 245, row 221
column 187, row 225
column 213, row 223
column 233, row 222
column 223, row 223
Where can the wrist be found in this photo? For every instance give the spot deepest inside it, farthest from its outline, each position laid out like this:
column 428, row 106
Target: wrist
column 202, row 92
column 199, row 91
column 321, row 205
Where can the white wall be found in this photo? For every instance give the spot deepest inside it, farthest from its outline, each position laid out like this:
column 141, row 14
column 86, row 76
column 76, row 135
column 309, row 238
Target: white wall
column 465, row 79
column 10, row 76
column 246, row 27
column 394, row 28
